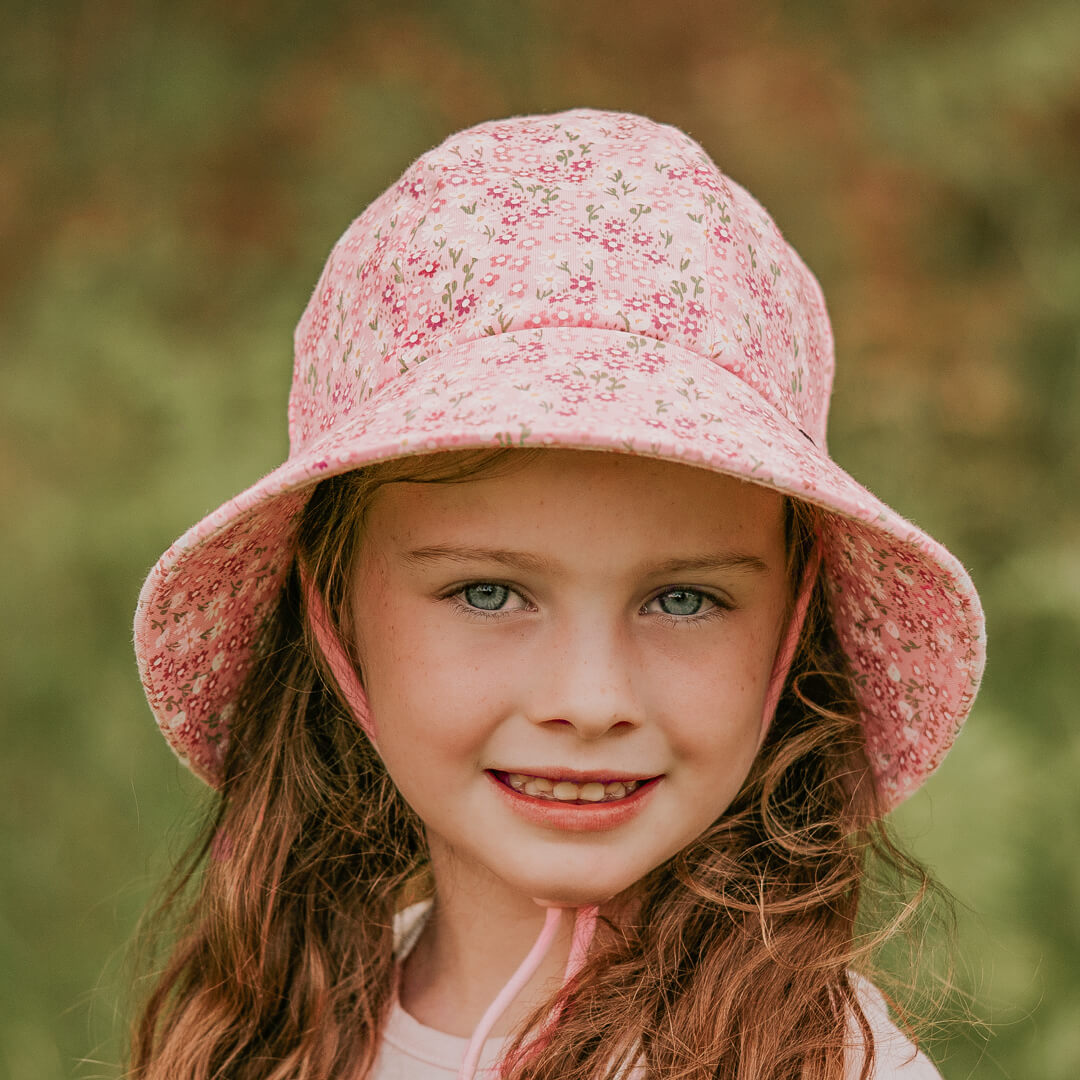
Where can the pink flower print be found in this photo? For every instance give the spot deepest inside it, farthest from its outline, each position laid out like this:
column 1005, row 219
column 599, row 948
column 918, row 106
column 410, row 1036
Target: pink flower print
column 606, row 395
column 640, row 237
column 520, row 263
column 637, row 303
column 529, row 242
column 656, row 257
column 611, row 244
column 388, row 294
column 513, row 218
column 429, row 268
column 615, row 226
column 488, row 279
column 676, row 174
column 500, row 260
column 398, row 306
column 548, row 171
column 416, row 188
column 585, row 284
column 543, row 210
column 662, row 323
column 506, row 237
column 512, row 202
column 654, row 423
column 664, row 301
column 587, row 356
column 562, row 317
column 400, row 328
column 703, row 177
column 579, row 169
column 722, row 233
column 465, row 304
column 613, row 268
column 413, row 340
column 517, row 290
column 586, row 234
column 684, row 425
column 536, row 319
column 690, row 327
column 695, row 308
column 436, row 319
column 437, row 204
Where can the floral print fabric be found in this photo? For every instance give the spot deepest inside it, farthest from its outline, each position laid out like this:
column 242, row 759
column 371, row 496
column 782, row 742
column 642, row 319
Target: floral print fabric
column 587, row 280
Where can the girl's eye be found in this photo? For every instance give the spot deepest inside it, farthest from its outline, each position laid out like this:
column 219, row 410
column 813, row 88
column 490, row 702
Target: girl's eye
column 685, row 603
column 487, row 600
column 485, row 595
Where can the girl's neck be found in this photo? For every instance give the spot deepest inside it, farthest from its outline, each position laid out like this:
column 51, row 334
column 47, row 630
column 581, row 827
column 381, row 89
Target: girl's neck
column 473, row 941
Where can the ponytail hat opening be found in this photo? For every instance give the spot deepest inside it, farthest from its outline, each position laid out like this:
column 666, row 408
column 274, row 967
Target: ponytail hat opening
column 587, row 280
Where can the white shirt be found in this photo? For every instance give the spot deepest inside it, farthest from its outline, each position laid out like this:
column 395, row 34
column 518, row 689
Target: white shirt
column 411, row 1051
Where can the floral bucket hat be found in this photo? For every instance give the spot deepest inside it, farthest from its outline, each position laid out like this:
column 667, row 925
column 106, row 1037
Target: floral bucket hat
column 586, row 280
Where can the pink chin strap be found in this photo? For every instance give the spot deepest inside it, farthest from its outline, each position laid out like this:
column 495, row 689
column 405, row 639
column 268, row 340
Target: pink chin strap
column 344, row 672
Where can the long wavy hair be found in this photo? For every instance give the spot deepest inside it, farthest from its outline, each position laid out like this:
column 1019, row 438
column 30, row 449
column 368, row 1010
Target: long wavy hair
column 275, row 931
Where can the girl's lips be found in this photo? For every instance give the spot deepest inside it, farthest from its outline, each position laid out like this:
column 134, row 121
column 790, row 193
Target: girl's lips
column 574, row 816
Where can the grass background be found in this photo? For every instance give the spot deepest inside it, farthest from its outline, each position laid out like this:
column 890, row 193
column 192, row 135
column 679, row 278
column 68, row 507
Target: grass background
column 172, row 177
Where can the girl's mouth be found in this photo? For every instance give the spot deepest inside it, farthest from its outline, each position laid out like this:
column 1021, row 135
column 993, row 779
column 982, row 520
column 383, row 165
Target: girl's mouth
column 573, row 792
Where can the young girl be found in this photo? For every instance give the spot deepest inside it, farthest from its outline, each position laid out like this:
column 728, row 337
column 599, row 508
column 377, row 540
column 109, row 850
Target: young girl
column 559, row 636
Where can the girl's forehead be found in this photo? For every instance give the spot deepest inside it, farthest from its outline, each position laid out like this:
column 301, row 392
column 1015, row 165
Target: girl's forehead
column 583, row 497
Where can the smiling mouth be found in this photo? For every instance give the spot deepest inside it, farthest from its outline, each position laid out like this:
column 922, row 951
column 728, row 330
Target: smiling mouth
column 569, row 791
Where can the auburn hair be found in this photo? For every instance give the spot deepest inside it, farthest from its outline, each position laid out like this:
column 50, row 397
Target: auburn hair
column 734, row 962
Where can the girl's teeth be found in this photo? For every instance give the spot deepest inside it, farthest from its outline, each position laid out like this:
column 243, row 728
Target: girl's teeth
column 540, row 787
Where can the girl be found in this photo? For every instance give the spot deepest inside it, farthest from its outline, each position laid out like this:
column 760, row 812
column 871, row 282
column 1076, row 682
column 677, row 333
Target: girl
column 558, row 621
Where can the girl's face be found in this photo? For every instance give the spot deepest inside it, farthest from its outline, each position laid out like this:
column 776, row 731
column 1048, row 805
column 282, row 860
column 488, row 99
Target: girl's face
column 566, row 664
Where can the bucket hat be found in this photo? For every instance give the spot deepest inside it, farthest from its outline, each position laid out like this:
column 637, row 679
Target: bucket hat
column 587, row 280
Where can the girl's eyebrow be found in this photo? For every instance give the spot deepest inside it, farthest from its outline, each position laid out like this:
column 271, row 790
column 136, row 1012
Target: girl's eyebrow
column 524, row 560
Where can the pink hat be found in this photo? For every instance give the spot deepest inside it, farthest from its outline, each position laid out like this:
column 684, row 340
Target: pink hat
column 586, row 279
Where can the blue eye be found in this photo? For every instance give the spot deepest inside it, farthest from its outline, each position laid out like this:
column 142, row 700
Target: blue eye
column 687, row 606
column 486, row 595
column 680, row 602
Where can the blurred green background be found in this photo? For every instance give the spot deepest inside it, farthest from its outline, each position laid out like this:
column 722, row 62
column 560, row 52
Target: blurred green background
column 172, row 177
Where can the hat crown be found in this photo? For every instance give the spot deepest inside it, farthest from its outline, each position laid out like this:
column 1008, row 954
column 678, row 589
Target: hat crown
column 585, row 218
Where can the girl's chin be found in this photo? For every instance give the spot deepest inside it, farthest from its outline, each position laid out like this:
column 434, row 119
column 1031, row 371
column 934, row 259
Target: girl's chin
column 571, row 894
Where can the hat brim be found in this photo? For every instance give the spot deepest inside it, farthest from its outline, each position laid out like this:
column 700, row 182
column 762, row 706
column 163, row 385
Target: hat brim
column 905, row 610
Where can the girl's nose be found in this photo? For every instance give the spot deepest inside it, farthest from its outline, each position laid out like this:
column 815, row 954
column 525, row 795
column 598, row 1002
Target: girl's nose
column 587, row 681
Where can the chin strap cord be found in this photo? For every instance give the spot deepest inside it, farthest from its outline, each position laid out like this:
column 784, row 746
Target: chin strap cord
column 510, row 991
column 342, row 667
column 786, row 653
column 584, row 928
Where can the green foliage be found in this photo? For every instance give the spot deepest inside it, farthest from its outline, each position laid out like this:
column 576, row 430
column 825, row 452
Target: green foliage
column 173, row 176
